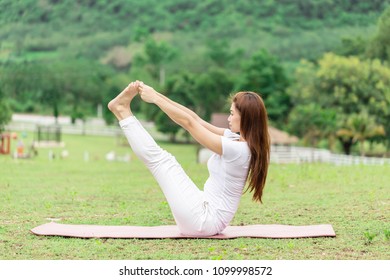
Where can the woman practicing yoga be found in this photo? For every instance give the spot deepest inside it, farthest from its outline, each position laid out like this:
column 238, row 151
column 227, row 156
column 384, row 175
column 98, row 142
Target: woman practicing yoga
column 241, row 154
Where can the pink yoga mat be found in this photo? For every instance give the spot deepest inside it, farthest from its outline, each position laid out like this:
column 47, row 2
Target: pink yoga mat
column 172, row 231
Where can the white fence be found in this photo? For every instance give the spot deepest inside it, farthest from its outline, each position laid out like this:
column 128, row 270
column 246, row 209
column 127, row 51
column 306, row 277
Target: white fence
column 279, row 154
column 291, row 154
column 94, row 126
column 79, row 129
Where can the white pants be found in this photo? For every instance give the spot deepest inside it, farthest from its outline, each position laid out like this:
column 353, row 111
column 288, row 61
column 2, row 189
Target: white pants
column 191, row 213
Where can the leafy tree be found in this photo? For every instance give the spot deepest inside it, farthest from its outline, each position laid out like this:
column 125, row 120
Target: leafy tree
column 50, row 92
column 219, row 53
column 380, row 45
column 154, row 60
column 83, row 83
column 165, row 125
column 355, row 46
column 156, row 56
column 355, row 86
column 31, row 81
column 360, row 127
column 19, row 82
column 348, row 86
column 204, row 94
column 265, row 75
column 313, row 123
column 180, row 88
column 5, row 112
column 212, row 90
column 74, row 84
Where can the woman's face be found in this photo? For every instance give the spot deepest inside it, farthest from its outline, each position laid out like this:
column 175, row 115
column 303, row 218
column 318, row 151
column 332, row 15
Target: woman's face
column 234, row 119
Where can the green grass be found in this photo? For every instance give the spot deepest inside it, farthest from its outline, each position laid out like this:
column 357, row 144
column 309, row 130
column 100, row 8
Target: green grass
column 354, row 199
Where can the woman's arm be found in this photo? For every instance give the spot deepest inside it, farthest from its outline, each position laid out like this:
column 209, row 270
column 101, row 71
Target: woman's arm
column 209, row 126
column 185, row 119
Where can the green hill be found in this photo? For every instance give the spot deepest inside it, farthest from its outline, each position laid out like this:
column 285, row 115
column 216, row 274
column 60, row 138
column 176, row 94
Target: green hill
column 291, row 30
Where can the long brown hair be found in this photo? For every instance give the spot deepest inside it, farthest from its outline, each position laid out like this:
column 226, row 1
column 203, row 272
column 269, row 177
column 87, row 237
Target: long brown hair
column 254, row 129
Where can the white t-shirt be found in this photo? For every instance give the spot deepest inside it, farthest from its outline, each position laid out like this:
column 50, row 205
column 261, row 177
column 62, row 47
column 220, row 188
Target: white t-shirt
column 228, row 172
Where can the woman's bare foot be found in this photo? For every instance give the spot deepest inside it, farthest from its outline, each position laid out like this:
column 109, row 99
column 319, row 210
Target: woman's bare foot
column 120, row 105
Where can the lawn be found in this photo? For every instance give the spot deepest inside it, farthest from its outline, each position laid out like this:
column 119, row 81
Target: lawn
column 354, row 199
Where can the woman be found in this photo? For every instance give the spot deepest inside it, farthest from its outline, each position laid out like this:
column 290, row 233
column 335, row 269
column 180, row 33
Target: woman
column 241, row 154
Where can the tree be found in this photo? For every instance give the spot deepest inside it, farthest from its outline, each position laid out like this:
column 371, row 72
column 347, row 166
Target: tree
column 354, row 85
column 32, row 83
column 313, row 123
column 76, row 86
column 5, row 112
column 156, row 56
column 180, row 88
column 360, row 127
column 205, row 94
column 211, row 92
column 165, row 125
column 353, row 46
column 19, row 82
column 348, row 86
column 82, row 83
column 265, row 75
column 154, row 60
column 220, row 54
column 380, row 45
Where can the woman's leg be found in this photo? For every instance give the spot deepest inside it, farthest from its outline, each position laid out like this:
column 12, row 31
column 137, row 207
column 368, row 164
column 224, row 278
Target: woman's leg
column 181, row 193
column 183, row 196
